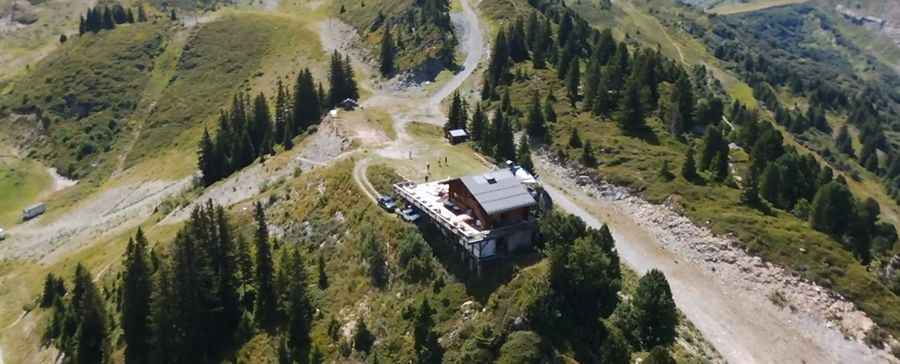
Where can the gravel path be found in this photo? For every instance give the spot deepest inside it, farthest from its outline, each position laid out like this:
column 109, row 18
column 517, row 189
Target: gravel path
column 721, row 289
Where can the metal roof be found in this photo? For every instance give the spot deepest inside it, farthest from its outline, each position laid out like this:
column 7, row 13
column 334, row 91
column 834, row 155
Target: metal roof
column 457, row 133
column 498, row 191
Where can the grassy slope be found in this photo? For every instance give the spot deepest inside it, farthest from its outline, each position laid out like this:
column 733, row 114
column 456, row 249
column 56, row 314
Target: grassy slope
column 744, row 7
column 21, row 182
column 420, row 44
column 780, row 238
column 84, row 90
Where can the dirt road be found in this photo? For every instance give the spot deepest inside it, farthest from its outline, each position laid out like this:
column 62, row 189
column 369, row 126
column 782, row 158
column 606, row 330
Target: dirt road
column 744, row 326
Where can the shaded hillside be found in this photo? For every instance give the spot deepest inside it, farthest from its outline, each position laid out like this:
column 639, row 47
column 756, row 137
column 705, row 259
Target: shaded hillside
column 83, row 93
column 424, row 39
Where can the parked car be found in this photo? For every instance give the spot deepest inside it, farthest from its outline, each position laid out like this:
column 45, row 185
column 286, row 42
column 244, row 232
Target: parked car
column 2, row 234
column 387, row 202
column 33, row 211
column 409, row 215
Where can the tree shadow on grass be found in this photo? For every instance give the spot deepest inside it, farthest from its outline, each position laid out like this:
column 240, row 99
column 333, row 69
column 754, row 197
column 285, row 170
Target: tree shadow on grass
column 493, row 274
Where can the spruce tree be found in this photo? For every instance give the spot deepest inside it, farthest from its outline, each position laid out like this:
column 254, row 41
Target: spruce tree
column 455, row 118
column 209, row 163
column 631, row 111
column 477, row 128
column 307, row 107
column 654, row 310
column 536, row 127
column 549, row 111
column 266, row 311
column 574, row 139
column 387, row 53
column 260, row 129
column 499, row 64
column 164, row 316
column 337, row 79
column 523, row 154
column 689, row 169
column 425, row 343
column 136, row 290
column 91, row 336
column 712, row 144
column 362, row 337
column 685, row 101
column 573, row 80
column 843, row 142
column 323, row 275
column 299, row 310
column 587, row 155
column 505, row 148
column 228, row 271
column 142, row 14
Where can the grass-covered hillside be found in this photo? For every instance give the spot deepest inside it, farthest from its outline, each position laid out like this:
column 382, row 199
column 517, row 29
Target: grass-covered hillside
column 83, row 93
column 652, row 158
column 425, row 43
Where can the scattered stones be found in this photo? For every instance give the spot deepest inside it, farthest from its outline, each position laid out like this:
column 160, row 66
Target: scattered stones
column 724, row 257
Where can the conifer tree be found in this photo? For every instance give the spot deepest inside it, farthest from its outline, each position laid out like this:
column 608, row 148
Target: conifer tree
column 573, row 80
column 675, row 118
column 362, row 337
column 142, row 14
column 505, row 148
column 843, row 142
column 631, row 111
column 227, row 268
column 266, row 311
column 587, row 155
column 518, row 49
column 136, row 290
column 425, row 342
column 307, row 108
column 689, row 168
column 654, row 310
column 387, row 53
column 574, row 139
column 352, row 89
column 477, row 128
column 712, row 145
column 455, row 117
column 209, row 163
column 536, row 128
column 163, row 316
column 260, row 129
column 91, row 344
column 685, row 100
column 549, row 111
column 523, row 154
column 282, row 114
column 499, row 64
column 299, row 311
column 323, row 275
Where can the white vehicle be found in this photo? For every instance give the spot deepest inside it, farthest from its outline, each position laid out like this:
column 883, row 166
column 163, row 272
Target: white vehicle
column 2, row 234
column 33, row 211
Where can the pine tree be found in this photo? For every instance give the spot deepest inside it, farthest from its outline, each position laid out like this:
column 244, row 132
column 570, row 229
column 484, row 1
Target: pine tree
column 712, row 144
column 721, row 166
column 654, row 310
column 387, row 53
column 228, row 271
column 136, row 290
column 282, row 113
column 323, row 275
column 307, row 107
column 260, row 129
column 299, row 311
column 499, row 64
column 173, row 16
column 163, row 316
column 91, row 344
column 476, row 129
column 505, row 148
column 549, row 111
column 352, row 88
column 685, row 101
column 337, row 78
column 631, row 111
column 518, row 49
column 455, row 117
column 750, row 192
column 425, row 342
column 523, row 154
column 843, row 142
column 265, row 290
column 675, row 118
column 574, row 139
column 587, row 155
column 573, row 80
column 362, row 337
column 142, row 14
column 689, row 169
column 209, row 163
column 770, row 186
column 536, row 128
